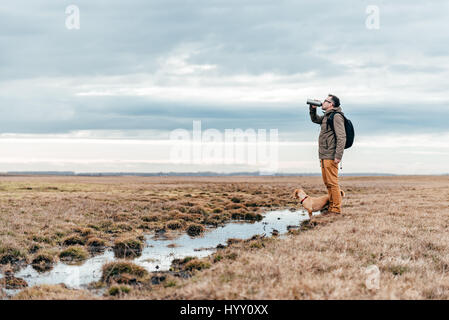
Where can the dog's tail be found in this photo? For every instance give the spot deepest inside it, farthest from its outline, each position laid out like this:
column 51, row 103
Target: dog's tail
column 342, row 193
column 295, row 193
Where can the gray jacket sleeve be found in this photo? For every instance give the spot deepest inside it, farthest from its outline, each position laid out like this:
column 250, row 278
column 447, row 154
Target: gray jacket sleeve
column 340, row 133
column 314, row 117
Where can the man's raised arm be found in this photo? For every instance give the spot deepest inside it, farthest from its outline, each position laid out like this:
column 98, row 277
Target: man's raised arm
column 313, row 116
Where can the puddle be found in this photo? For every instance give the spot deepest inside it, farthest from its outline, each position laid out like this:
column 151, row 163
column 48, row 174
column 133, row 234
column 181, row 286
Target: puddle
column 159, row 251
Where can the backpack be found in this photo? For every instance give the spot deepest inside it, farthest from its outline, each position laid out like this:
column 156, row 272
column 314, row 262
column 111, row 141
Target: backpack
column 349, row 128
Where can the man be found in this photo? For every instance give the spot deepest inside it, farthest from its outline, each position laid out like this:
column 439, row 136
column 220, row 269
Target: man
column 331, row 147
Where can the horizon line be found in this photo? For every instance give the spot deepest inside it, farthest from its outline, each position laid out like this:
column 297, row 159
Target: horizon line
column 198, row 173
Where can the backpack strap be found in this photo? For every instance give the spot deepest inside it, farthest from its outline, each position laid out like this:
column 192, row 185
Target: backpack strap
column 330, row 122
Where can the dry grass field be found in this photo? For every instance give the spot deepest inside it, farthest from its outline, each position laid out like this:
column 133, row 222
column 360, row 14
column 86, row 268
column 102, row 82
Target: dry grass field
column 399, row 224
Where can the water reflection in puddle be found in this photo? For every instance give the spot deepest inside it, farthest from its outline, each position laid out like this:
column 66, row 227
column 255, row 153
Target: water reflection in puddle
column 159, row 251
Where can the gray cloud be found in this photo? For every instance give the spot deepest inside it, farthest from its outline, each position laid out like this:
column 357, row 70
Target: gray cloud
column 327, row 39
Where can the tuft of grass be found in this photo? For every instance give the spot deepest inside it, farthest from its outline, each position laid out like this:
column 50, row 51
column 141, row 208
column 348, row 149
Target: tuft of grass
column 12, row 282
column 52, row 292
column 196, row 264
column 151, row 218
column 188, row 217
column 256, row 244
column 42, row 239
column 74, row 239
column 235, row 206
column 174, row 224
column 127, row 247
column 170, row 283
column 232, row 241
column 215, row 219
column 251, row 204
column 10, row 255
column 119, row 290
column 123, row 272
column 34, row 248
column 73, row 254
column 120, row 227
column 151, row 226
column 95, row 243
column 84, row 232
column 43, row 261
column 94, row 227
column 197, row 209
column 294, row 231
column 195, row 229
column 182, row 261
column 397, row 270
column 231, row 256
column 237, row 215
column 253, row 216
column 179, row 264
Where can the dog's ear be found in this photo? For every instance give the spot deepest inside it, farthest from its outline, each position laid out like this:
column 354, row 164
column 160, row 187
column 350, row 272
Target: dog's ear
column 295, row 193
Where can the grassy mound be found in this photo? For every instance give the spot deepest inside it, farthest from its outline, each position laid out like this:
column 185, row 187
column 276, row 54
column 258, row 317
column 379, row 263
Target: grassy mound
column 195, row 229
column 95, row 244
column 119, row 290
column 12, row 282
column 43, row 261
column 123, row 272
column 74, row 254
column 10, row 255
column 127, row 247
column 74, row 239
column 174, row 224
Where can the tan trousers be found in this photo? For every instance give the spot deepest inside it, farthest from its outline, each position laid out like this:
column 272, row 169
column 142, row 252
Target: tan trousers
column 329, row 170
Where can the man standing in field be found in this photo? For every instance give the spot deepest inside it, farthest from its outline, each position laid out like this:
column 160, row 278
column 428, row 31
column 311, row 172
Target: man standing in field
column 331, row 147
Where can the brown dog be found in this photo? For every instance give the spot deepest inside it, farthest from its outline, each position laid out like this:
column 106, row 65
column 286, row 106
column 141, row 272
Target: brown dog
column 312, row 204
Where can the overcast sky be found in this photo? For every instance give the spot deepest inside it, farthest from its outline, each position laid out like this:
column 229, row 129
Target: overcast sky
column 106, row 96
